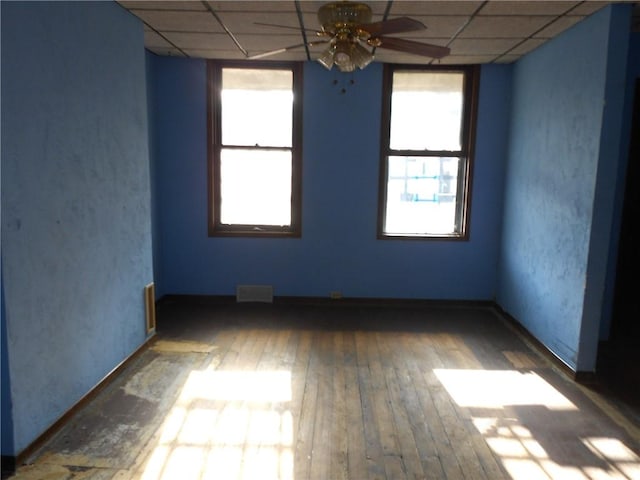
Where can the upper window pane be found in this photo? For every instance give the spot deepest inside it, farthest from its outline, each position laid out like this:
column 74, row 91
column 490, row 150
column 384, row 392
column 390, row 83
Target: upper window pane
column 257, row 107
column 426, row 111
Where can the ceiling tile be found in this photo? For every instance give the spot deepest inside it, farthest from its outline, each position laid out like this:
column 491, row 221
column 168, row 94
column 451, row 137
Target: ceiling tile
column 482, row 46
column 467, row 59
column 206, row 41
column 498, row 27
column 217, row 54
column 237, row 55
column 311, row 7
column 527, row 46
column 183, row 21
column 410, row 8
column 161, row 5
column 507, row 26
column 509, row 58
column 587, row 8
column 256, row 44
column 152, row 40
column 389, row 56
column 560, row 25
column 166, row 52
column 248, row 6
column 494, row 7
column 238, row 22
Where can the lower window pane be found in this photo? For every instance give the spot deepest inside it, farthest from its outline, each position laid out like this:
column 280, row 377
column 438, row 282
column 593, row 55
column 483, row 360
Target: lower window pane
column 421, row 196
column 255, row 187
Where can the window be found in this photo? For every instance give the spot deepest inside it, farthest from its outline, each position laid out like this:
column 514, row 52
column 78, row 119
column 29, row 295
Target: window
column 254, row 121
column 426, row 153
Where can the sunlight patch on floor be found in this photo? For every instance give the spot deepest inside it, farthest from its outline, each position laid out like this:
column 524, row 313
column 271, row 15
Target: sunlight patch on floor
column 267, row 386
column 227, row 424
column 521, row 453
column 499, row 388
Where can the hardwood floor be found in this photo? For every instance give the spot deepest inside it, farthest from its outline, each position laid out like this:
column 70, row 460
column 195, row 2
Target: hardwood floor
column 341, row 392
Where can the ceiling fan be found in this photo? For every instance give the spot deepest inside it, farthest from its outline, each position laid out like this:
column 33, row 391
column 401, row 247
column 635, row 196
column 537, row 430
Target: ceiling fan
column 349, row 30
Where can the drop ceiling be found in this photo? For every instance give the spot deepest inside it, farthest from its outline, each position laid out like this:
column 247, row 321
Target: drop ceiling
column 493, row 31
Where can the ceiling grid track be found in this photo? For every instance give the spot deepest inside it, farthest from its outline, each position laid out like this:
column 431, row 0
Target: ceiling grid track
column 480, row 31
column 532, row 36
column 166, row 39
column 462, row 27
column 226, row 29
column 385, row 15
column 302, row 29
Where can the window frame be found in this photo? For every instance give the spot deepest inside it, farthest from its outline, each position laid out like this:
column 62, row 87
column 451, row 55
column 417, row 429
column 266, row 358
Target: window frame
column 465, row 154
column 214, row 148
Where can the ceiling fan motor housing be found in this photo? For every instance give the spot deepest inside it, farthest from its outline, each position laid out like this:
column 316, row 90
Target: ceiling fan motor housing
column 336, row 15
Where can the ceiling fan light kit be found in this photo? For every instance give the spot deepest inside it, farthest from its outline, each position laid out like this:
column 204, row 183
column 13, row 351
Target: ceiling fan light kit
column 349, row 28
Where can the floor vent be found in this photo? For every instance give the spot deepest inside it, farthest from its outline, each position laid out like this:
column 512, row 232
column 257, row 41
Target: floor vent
column 254, row 293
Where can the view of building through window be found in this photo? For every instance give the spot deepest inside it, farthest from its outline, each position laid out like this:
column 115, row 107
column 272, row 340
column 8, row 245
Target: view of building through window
column 421, row 195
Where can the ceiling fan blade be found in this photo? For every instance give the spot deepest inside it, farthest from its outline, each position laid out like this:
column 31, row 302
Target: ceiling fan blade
column 395, row 25
column 416, row 48
column 284, row 49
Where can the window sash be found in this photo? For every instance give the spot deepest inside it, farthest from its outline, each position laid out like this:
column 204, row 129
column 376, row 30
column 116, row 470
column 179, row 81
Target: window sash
column 225, row 221
column 388, row 226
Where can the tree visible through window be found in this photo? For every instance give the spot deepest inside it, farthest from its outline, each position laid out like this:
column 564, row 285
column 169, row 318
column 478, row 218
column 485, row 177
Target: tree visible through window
column 254, row 116
column 426, row 151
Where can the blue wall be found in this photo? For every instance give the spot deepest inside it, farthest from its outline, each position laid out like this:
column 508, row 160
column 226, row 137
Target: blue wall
column 561, row 175
column 6, row 410
column 77, row 131
column 338, row 249
column 76, row 236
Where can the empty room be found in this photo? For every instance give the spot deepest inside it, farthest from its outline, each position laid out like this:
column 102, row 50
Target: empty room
column 320, row 240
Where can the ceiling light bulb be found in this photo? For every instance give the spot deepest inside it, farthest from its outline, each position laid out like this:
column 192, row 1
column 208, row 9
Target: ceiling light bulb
column 342, row 58
column 342, row 55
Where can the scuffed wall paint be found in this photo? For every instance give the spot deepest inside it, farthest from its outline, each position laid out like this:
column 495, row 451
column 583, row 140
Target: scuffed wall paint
column 76, row 236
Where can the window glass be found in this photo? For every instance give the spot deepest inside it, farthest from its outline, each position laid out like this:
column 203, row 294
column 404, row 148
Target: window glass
column 426, row 111
column 427, row 139
column 421, row 194
column 257, row 107
column 255, row 187
column 254, row 154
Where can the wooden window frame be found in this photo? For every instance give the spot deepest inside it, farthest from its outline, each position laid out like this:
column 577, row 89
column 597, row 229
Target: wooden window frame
column 466, row 154
column 214, row 147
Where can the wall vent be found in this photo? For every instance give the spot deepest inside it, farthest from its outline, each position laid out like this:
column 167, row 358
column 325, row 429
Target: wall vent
column 254, row 293
column 150, row 307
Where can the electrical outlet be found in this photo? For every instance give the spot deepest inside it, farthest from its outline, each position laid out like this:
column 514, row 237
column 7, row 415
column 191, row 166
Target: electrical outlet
column 335, row 295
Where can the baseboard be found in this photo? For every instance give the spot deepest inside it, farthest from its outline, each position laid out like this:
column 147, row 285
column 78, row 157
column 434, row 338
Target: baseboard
column 39, row 442
column 167, row 300
column 578, row 376
column 381, row 302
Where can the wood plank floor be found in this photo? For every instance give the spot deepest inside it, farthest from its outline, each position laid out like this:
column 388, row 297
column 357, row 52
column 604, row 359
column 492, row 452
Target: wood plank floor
column 340, row 392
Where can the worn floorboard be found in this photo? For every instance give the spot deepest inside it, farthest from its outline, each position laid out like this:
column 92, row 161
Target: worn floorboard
column 340, row 392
